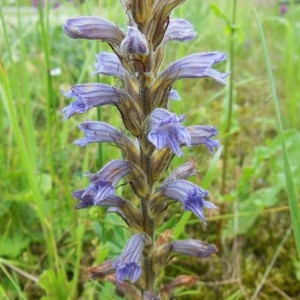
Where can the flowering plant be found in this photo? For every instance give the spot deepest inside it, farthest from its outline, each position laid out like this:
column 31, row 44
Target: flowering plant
column 152, row 137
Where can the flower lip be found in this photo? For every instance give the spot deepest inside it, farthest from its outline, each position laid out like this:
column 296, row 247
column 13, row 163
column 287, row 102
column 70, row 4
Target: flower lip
column 190, row 195
column 93, row 28
column 196, row 65
column 166, row 130
column 128, row 263
column 180, row 30
column 92, row 95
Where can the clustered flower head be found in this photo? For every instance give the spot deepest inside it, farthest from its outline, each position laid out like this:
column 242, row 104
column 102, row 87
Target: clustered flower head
column 152, row 136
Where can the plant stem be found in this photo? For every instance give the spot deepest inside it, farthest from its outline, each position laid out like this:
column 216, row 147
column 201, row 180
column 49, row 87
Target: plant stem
column 229, row 116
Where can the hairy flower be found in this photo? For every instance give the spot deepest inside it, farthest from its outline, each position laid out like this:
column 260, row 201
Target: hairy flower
column 195, row 66
column 134, row 42
column 92, row 95
column 99, row 132
column 201, row 134
column 180, row 30
column 166, row 130
column 193, row 247
column 102, row 183
column 128, row 263
column 182, row 172
column 109, row 64
column 190, row 195
column 93, row 28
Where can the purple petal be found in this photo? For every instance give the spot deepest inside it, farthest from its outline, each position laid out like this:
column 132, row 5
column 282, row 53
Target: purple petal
column 190, row 195
column 166, row 130
column 85, row 200
column 99, row 132
column 91, row 95
column 93, row 28
column 196, row 66
column 109, row 64
column 202, row 134
column 180, row 30
column 112, row 172
column 127, row 264
column 99, row 191
column 193, row 247
column 134, row 42
column 182, row 172
column 174, row 95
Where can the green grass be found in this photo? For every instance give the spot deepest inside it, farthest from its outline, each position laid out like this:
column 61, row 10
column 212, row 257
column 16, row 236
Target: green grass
column 46, row 246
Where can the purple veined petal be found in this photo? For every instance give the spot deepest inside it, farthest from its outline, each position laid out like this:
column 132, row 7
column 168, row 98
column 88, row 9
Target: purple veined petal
column 196, row 66
column 128, row 263
column 202, row 134
column 183, row 172
column 134, row 42
column 109, row 64
column 112, row 172
column 190, row 195
column 102, row 184
column 85, row 200
column 93, row 28
column 99, row 132
column 92, row 95
column 166, row 130
column 180, row 30
column 174, row 95
column 99, row 190
column 193, row 247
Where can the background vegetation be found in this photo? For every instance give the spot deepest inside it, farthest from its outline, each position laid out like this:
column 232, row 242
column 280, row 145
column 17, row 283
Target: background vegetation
column 46, row 246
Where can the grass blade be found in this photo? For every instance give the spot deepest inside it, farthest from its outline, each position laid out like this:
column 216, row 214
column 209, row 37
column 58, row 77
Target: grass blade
column 293, row 203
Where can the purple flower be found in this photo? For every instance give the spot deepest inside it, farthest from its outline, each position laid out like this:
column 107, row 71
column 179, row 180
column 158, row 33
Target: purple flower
column 202, row 134
column 102, row 184
column 190, row 195
column 109, row 64
column 166, row 130
column 128, row 263
column 93, row 28
column 92, row 95
column 182, row 172
column 180, row 30
column 99, row 132
column 193, row 247
column 134, row 42
column 195, row 66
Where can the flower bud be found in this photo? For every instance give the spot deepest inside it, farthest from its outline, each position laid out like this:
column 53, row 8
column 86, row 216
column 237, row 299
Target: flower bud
column 134, row 42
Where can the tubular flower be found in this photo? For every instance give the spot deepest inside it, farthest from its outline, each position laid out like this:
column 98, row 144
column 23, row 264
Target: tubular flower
column 109, row 64
column 102, row 184
column 166, row 130
column 195, row 66
column 180, row 30
column 202, row 134
column 92, row 95
column 190, row 195
column 93, row 28
column 128, row 263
